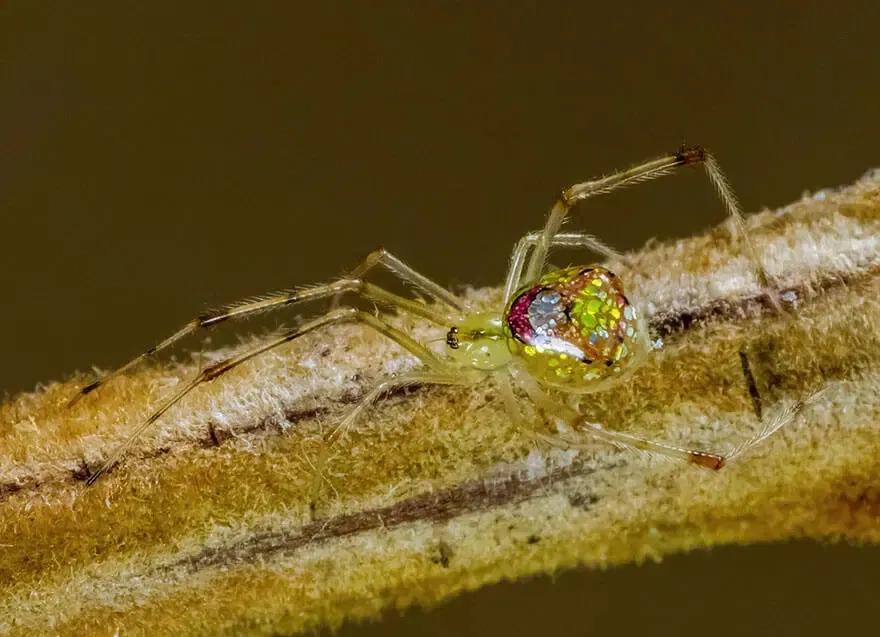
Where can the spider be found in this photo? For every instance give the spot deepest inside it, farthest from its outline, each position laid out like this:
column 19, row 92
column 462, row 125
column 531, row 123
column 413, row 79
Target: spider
column 571, row 330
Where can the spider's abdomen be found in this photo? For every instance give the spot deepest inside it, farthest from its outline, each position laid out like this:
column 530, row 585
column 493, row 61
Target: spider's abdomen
column 574, row 327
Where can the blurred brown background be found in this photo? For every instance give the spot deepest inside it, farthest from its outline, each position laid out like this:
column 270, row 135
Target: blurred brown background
column 159, row 158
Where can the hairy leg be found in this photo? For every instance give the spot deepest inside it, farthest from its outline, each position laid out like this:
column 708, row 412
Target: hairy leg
column 646, row 172
column 407, row 274
column 251, row 307
column 426, row 356
column 582, row 429
column 564, row 239
column 450, row 376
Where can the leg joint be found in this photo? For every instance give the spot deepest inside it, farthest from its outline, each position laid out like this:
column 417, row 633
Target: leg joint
column 690, row 155
column 707, row 460
column 373, row 258
column 213, row 371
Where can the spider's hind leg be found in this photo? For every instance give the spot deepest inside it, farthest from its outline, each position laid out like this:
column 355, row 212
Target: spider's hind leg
column 647, row 171
column 580, row 430
column 708, row 459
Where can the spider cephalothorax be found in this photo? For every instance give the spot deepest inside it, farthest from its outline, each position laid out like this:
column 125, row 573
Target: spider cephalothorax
column 574, row 327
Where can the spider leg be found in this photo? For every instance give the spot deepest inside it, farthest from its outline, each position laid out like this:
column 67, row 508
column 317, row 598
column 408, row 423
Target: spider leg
column 645, row 172
column 407, row 274
column 563, row 239
column 429, row 358
column 708, row 459
column 278, row 300
column 508, row 397
column 451, row 376
column 513, row 406
column 704, row 458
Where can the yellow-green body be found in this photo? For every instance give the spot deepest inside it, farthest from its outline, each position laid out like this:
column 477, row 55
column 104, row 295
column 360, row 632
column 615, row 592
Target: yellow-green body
column 572, row 329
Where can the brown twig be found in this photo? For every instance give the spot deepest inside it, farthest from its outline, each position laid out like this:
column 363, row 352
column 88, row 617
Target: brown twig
column 218, row 521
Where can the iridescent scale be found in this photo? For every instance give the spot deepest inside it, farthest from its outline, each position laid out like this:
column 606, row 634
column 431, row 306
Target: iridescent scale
column 574, row 325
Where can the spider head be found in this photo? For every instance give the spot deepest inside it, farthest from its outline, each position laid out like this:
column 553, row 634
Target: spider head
column 575, row 328
column 479, row 342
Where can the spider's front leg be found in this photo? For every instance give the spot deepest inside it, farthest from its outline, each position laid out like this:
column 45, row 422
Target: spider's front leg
column 270, row 302
column 434, row 363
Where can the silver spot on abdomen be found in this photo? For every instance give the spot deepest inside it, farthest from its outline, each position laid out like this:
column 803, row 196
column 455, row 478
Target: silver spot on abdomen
column 546, row 312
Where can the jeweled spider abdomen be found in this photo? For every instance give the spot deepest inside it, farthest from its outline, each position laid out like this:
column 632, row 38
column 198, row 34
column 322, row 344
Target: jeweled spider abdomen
column 574, row 327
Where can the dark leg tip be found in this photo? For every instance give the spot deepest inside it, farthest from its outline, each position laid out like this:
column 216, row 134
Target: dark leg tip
column 708, row 461
column 690, row 155
column 88, row 389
